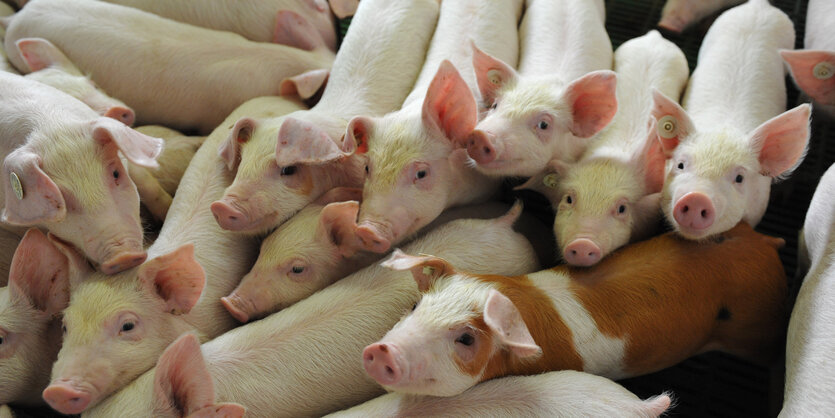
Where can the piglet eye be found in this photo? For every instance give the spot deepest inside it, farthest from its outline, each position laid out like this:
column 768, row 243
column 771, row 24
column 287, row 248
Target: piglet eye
column 494, row 105
column 127, row 326
column 420, row 174
column 288, row 171
column 116, row 174
column 298, row 269
column 63, row 328
column 621, row 208
column 681, row 165
column 2, row 340
column 569, row 200
column 466, row 339
column 414, row 307
column 543, row 125
column 366, row 169
column 739, row 178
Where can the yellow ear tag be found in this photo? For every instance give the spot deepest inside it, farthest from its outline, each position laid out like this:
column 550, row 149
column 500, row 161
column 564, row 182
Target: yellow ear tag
column 667, row 127
column 495, row 77
column 428, row 270
column 16, row 186
column 823, row 70
column 550, row 180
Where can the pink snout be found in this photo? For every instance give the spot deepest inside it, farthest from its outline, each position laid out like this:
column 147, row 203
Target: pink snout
column 237, row 307
column 229, row 217
column 372, row 239
column 582, row 252
column 123, row 261
column 480, row 148
column 380, row 361
column 66, row 398
column 694, row 212
column 122, row 114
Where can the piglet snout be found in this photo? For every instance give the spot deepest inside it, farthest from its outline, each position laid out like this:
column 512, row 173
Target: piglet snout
column 372, row 239
column 480, row 147
column 66, row 398
column 237, row 307
column 122, row 114
column 229, row 217
column 582, row 252
column 694, row 211
column 123, row 261
column 380, row 361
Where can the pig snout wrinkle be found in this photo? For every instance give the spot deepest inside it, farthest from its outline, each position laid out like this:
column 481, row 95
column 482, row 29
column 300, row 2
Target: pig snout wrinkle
column 694, row 211
column 66, row 398
column 380, row 362
column 582, row 252
column 480, row 147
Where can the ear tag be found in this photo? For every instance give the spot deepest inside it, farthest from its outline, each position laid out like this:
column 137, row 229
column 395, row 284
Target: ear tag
column 550, row 180
column 16, row 186
column 494, row 76
column 823, row 70
column 428, row 270
column 668, row 127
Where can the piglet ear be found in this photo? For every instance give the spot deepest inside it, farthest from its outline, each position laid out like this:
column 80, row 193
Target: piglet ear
column 547, row 181
column 593, row 102
column 40, row 53
column 340, row 194
column 230, row 149
column 292, row 29
column 781, row 141
column 673, row 124
column 302, row 142
column 181, row 378
column 139, row 148
column 304, row 85
column 651, row 160
column 344, row 8
column 79, row 268
column 338, row 223
column 175, row 277
column 358, row 133
column 449, row 106
column 425, row 269
column 491, row 74
column 31, row 196
column 814, row 72
column 501, row 315
column 40, row 272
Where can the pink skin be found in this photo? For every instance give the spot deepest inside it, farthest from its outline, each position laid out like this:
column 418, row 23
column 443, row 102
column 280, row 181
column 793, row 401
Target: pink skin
column 382, row 362
column 677, row 15
column 582, row 252
column 694, row 212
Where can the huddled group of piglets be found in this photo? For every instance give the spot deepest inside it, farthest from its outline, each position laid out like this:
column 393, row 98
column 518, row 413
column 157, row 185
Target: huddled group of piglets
column 398, row 144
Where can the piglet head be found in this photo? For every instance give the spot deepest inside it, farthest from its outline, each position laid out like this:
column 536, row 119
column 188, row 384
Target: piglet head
column 534, row 120
column 412, row 173
column 116, row 327
column 443, row 347
column 814, row 72
column 294, row 263
column 30, row 333
column 50, row 66
column 183, row 386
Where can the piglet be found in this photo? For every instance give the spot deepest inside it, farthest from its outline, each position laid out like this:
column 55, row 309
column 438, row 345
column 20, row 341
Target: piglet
column 468, row 328
column 733, row 140
column 563, row 94
column 678, row 15
column 271, row 365
column 181, row 76
column 30, row 326
column 810, row 346
column 5, row 65
column 183, row 386
column 555, row 394
column 63, row 171
column 813, row 68
column 612, row 194
column 48, row 65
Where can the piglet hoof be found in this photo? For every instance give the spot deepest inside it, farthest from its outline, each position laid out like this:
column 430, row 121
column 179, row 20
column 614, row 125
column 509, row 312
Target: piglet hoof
column 582, row 252
column 123, row 261
column 381, row 364
column 66, row 399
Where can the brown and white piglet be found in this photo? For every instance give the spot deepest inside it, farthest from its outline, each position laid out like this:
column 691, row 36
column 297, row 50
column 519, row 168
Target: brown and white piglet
column 644, row 308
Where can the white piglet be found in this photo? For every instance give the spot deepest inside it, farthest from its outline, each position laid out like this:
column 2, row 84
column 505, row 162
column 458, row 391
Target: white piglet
column 813, row 68
column 63, row 171
column 563, row 94
column 732, row 141
column 612, row 194
column 678, row 15
column 562, row 394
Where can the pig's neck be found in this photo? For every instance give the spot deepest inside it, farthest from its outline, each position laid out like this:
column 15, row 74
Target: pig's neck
column 466, row 185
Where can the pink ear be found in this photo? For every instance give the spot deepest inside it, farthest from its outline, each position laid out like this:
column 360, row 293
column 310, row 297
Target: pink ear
column 358, row 132
column 501, row 315
column 239, row 134
column 593, row 102
column 302, row 142
column 139, row 148
column 338, row 222
column 781, row 141
column 292, row 29
column 673, row 124
column 175, row 277
column 304, row 85
column 40, row 53
column 340, row 194
column 344, row 8
column 41, row 199
column 181, row 377
column 814, row 72
column 78, row 266
column 41, row 273
column 651, row 160
column 491, row 74
column 425, row 269
column 221, row 410
column 449, row 104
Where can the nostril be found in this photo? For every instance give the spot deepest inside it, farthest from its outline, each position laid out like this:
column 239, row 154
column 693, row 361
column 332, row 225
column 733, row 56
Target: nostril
column 233, row 218
column 369, row 357
column 389, row 370
column 384, row 349
column 486, row 150
column 573, row 252
column 685, row 209
column 704, row 213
